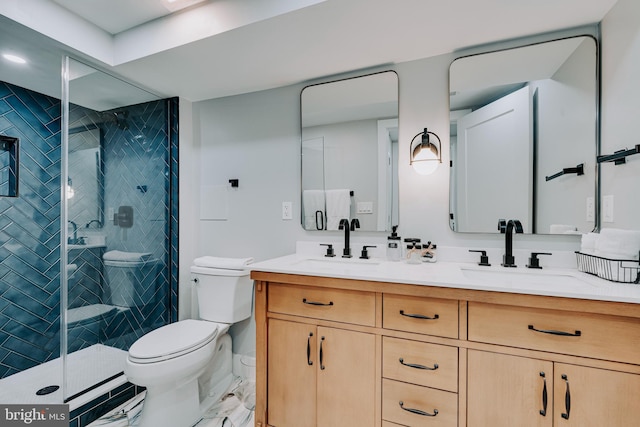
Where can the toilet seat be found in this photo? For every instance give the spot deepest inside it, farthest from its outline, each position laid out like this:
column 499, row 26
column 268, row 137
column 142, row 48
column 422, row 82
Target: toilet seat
column 173, row 340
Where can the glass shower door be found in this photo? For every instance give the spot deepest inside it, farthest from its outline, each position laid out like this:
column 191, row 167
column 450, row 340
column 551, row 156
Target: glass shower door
column 117, row 189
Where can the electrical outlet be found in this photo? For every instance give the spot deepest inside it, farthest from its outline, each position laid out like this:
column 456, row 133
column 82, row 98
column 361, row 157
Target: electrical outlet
column 607, row 208
column 287, row 210
column 364, row 208
column 591, row 209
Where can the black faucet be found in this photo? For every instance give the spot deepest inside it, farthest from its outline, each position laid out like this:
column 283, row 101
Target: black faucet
column 344, row 225
column 97, row 221
column 73, row 240
column 507, row 227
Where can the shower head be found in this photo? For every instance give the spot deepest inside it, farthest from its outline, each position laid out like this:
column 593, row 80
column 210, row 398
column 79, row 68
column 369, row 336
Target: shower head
column 121, row 119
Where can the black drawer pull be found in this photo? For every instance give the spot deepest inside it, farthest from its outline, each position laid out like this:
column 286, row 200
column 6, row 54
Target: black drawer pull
column 567, row 399
column 543, row 411
column 413, row 365
column 552, row 332
column 322, row 367
column 419, row 316
column 304, row 300
column 309, row 361
column 418, row 411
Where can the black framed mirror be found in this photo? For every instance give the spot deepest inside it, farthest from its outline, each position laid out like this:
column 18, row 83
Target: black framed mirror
column 349, row 152
column 524, row 138
column 85, row 181
column 9, row 166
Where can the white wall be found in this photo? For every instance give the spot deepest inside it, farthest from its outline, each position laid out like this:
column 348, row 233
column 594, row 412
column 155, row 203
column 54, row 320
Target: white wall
column 255, row 138
column 621, row 110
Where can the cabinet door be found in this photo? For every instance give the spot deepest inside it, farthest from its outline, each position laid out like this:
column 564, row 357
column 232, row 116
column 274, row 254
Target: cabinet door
column 346, row 378
column 508, row 391
column 595, row 397
column 291, row 378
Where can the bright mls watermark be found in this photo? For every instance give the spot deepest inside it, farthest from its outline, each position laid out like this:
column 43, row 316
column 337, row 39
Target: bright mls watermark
column 53, row 415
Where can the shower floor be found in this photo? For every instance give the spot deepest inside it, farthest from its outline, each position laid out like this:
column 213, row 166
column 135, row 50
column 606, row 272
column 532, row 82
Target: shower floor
column 87, row 367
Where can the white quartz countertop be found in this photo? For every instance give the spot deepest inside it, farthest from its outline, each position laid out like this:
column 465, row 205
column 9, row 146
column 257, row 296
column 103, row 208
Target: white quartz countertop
column 568, row 283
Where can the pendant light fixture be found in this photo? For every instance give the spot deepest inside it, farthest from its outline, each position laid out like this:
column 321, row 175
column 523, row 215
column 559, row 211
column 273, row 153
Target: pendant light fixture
column 424, row 155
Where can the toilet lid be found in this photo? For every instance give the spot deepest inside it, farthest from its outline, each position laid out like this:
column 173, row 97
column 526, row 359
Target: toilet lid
column 173, row 340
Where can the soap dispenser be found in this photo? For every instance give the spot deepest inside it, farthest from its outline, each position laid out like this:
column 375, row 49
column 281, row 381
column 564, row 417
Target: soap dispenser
column 394, row 245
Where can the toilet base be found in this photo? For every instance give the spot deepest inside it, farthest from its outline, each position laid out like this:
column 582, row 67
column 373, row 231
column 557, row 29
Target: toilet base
column 185, row 404
column 176, row 407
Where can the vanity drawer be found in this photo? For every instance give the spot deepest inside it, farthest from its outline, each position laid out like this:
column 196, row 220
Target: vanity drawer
column 323, row 303
column 438, row 408
column 580, row 334
column 420, row 315
column 420, row 363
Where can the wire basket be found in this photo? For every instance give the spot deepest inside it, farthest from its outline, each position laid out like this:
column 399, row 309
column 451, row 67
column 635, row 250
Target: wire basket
column 614, row 270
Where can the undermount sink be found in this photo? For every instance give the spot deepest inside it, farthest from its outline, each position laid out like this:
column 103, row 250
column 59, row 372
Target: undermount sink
column 527, row 278
column 336, row 262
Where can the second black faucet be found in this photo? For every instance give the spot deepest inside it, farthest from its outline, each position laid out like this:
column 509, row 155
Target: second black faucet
column 344, row 225
column 508, row 228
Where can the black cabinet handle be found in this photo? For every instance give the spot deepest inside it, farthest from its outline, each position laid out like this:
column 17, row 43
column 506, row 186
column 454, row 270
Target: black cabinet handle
column 417, row 411
column 543, row 411
column 552, row 332
column 413, row 365
column 419, row 316
column 304, row 300
column 321, row 355
column 309, row 362
column 567, row 399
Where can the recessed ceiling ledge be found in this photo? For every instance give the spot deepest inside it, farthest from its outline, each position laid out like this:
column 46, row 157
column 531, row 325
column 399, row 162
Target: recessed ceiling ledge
column 198, row 23
column 59, row 24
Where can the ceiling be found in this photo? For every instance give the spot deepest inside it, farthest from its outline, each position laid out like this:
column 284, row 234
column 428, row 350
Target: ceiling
column 217, row 48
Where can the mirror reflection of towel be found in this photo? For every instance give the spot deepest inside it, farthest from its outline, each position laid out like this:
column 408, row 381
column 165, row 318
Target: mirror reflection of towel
column 338, row 207
column 312, row 202
column 562, row 229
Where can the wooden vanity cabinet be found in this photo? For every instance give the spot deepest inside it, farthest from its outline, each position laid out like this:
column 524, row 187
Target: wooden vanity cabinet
column 352, row 353
column 541, row 391
column 320, row 375
column 508, row 390
column 419, row 378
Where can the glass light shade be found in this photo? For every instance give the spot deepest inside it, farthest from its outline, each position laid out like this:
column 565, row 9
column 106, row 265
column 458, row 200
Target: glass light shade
column 425, row 156
column 425, row 160
column 426, row 164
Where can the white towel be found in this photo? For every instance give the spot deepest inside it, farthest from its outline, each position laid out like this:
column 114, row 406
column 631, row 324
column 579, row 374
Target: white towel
column 588, row 243
column 224, row 263
column 338, row 207
column 126, row 256
column 313, row 209
column 562, row 229
column 615, row 243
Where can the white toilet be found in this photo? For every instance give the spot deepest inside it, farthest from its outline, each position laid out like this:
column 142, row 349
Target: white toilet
column 175, row 362
column 131, row 278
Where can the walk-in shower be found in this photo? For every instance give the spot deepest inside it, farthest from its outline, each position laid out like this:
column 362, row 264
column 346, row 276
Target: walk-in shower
column 88, row 249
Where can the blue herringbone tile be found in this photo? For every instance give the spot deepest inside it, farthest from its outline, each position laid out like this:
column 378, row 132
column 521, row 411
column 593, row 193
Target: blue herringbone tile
column 26, row 348
column 29, row 283
column 22, row 111
column 4, row 108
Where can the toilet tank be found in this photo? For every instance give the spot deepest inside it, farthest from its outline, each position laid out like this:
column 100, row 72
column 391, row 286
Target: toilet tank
column 224, row 296
column 132, row 283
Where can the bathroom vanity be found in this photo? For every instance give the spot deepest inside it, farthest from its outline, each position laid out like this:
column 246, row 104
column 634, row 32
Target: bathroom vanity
column 391, row 344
